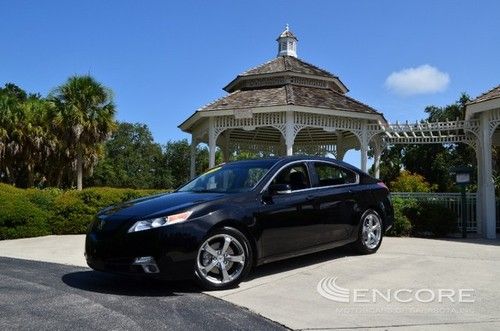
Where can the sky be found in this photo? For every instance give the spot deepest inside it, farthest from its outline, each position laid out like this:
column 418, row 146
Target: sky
column 165, row 59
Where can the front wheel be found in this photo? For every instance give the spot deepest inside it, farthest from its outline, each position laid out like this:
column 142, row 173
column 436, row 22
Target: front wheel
column 223, row 259
column 371, row 231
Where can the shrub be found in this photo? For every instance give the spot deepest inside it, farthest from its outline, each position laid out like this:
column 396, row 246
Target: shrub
column 20, row 218
column 408, row 182
column 421, row 218
column 71, row 214
column 402, row 225
column 35, row 212
column 429, row 218
column 44, row 199
column 5, row 188
column 75, row 210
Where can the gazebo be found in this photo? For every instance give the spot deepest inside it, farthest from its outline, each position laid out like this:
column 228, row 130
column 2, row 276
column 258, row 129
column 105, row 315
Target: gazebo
column 286, row 106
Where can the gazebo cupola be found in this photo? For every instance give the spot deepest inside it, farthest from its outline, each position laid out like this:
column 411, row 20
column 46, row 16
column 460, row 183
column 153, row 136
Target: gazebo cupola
column 287, row 43
column 286, row 106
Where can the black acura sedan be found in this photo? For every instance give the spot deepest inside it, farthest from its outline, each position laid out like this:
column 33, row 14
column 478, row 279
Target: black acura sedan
column 242, row 214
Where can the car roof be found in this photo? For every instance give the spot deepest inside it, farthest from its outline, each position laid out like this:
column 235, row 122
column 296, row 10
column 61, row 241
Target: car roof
column 286, row 159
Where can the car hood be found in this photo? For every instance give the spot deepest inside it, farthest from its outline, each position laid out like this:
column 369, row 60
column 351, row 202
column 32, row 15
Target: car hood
column 157, row 205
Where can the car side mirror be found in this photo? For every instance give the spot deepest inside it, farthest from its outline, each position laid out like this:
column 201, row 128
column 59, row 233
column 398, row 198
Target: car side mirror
column 279, row 189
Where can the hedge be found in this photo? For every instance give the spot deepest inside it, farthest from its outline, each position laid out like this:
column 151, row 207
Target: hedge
column 34, row 212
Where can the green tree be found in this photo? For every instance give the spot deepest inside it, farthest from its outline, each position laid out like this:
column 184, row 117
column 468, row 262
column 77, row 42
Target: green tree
column 33, row 139
column 26, row 141
column 177, row 159
column 132, row 159
column 14, row 92
column 84, row 120
column 391, row 163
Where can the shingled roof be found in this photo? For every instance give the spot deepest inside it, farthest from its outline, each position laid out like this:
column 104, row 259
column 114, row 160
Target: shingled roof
column 491, row 94
column 288, row 63
column 289, row 95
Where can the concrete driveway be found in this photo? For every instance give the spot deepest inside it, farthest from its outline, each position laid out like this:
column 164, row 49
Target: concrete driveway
column 410, row 283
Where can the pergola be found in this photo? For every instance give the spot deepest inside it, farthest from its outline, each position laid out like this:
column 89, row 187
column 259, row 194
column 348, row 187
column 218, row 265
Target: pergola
column 287, row 106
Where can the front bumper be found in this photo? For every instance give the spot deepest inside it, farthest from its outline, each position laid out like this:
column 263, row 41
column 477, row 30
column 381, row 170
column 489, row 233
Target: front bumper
column 172, row 249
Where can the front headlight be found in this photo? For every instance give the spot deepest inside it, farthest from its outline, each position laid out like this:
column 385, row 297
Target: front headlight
column 160, row 221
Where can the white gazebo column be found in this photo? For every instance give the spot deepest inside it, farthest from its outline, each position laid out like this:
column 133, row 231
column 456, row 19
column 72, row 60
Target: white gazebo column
column 486, row 184
column 479, row 192
column 289, row 133
column 192, row 168
column 364, row 158
column 282, row 146
column 364, row 147
column 211, row 143
column 377, row 154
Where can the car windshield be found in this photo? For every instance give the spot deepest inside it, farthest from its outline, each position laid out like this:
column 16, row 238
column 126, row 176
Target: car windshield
column 230, row 178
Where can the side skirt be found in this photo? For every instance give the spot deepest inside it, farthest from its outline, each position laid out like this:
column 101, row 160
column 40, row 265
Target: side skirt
column 306, row 251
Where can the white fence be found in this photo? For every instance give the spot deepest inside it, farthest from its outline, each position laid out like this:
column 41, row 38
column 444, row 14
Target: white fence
column 452, row 201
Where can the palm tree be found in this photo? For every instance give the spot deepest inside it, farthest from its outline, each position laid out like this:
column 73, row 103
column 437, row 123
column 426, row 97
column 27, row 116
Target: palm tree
column 7, row 116
column 35, row 142
column 84, row 119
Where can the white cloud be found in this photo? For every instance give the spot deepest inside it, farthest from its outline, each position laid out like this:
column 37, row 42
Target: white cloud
column 424, row 79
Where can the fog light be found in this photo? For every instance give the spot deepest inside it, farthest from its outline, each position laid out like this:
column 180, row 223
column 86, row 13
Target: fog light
column 148, row 264
column 150, row 268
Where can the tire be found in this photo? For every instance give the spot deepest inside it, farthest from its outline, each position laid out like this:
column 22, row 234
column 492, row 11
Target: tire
column 369, row 241
column 223, row 259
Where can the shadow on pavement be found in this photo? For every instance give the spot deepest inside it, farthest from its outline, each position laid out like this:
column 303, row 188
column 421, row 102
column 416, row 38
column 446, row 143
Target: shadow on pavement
column 300, row 262
column 100, row 282
column 107, row 283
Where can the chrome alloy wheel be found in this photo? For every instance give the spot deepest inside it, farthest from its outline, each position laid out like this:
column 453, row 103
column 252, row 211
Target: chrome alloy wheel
column 372, row 230
column 220, row 259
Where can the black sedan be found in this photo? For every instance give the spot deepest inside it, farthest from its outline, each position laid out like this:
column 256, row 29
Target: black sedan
column 242, row 214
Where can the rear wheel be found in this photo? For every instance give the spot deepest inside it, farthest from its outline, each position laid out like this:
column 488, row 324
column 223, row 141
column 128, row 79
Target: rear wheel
column 371, row 232
column 223, row 259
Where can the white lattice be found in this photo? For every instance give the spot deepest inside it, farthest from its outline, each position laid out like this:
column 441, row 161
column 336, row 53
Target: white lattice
column 276, row 120
column 446, row 132
column 326, row 122
column 494, row 120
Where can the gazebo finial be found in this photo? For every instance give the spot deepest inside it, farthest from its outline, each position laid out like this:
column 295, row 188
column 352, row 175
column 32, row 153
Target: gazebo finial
column 287, row 43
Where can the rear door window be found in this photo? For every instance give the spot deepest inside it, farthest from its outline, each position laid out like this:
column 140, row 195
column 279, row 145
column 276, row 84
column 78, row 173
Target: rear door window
column 295, row 175
column 329, row 175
